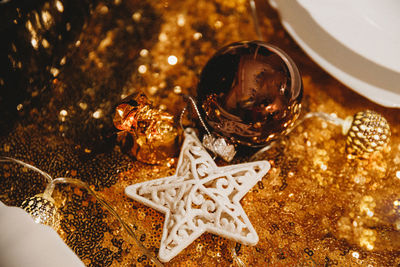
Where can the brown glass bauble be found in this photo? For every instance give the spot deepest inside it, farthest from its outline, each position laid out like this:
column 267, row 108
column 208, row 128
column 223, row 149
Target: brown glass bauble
column 250, row 93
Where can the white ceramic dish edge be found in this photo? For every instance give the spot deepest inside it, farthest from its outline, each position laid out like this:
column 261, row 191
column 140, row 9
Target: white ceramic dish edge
column 374, row 93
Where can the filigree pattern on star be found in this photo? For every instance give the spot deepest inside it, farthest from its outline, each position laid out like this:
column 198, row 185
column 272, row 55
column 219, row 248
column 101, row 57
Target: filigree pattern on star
column 200, row 197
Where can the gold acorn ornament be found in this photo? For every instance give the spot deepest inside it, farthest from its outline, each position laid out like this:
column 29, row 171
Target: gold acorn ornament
column 367, row 132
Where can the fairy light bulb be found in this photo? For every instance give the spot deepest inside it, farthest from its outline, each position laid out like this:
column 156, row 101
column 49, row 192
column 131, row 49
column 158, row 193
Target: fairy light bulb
column 43, row 210
column 41, row 207
column 368, row 132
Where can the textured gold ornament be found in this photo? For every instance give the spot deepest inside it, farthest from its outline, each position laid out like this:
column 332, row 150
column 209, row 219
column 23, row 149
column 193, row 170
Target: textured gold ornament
column 368, row 132
column 42, row 209
column 154, row 132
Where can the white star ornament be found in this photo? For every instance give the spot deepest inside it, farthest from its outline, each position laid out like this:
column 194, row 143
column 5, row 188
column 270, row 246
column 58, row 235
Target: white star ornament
column 200, row 197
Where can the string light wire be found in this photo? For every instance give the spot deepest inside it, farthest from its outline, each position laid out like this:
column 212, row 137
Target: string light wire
column 254, row 16
column 27, row 165
column 321, row 115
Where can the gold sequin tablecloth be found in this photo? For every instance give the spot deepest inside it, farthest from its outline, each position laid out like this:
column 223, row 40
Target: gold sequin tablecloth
column 70, row 62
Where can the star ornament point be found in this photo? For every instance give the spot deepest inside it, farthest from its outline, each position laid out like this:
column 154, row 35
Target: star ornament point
column 200, row 197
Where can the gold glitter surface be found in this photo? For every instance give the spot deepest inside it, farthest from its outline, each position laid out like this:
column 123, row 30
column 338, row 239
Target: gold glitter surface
column 316, row 206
